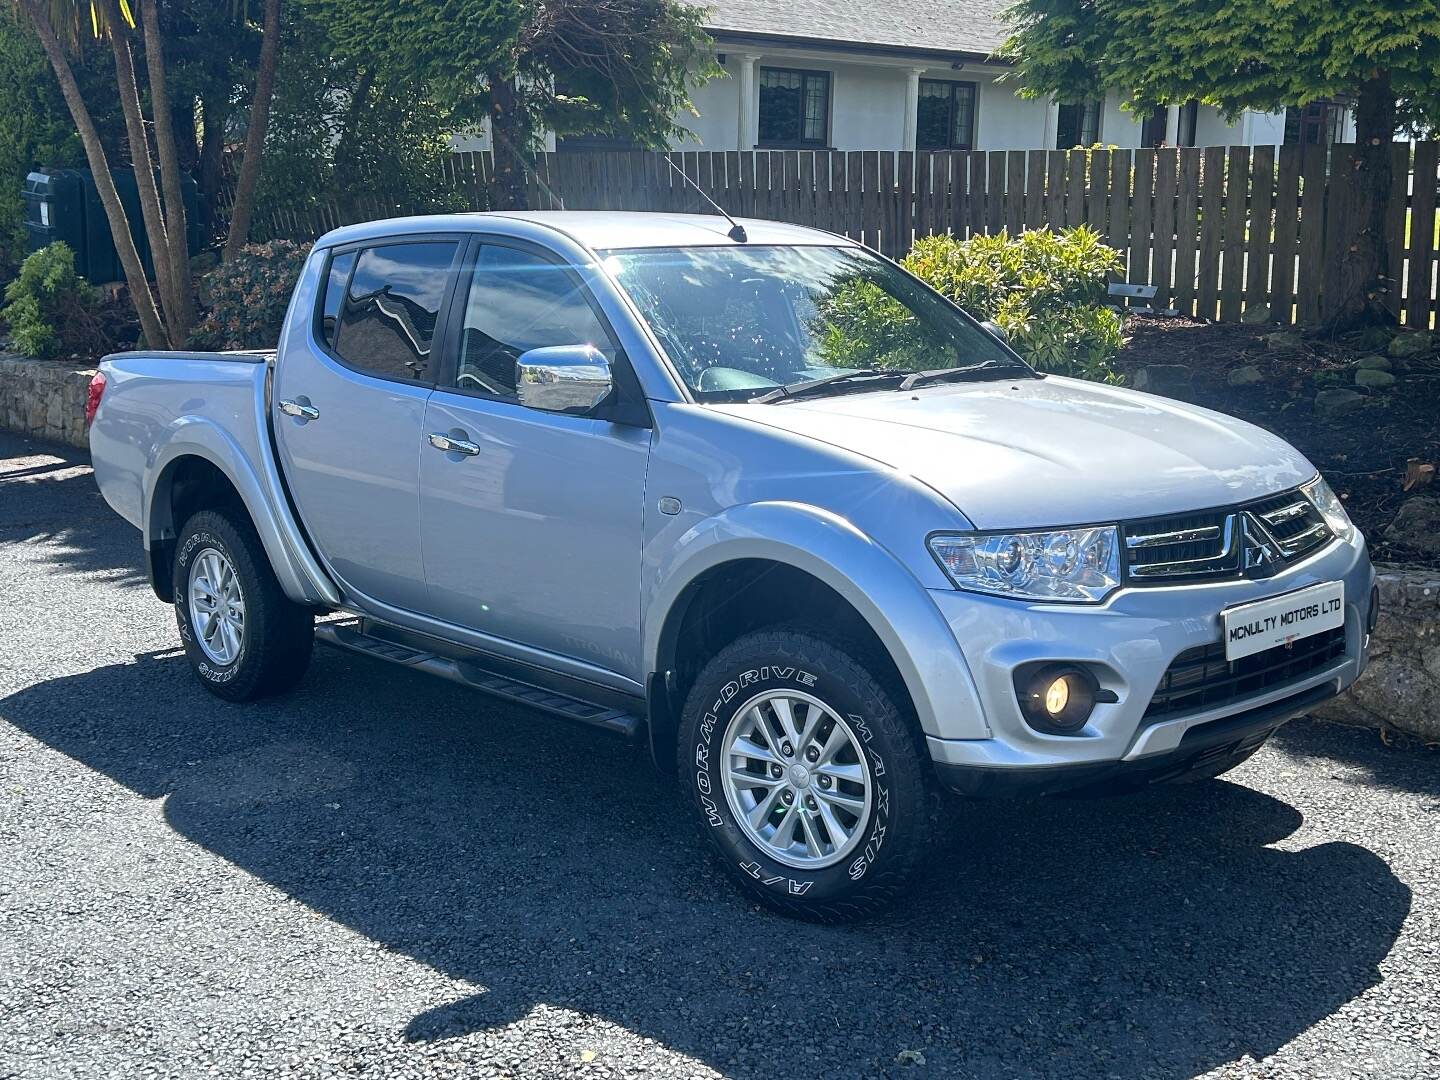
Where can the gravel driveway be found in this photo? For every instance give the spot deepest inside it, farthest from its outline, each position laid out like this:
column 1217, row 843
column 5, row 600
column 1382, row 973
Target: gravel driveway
column 384, row 876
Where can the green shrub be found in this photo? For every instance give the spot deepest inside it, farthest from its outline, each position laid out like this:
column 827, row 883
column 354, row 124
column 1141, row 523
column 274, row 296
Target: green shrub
column 1046, row 290
column 247, row 297
column 51, row 310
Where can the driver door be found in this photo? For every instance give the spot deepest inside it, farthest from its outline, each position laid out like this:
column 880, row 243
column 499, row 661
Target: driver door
column 534, row 538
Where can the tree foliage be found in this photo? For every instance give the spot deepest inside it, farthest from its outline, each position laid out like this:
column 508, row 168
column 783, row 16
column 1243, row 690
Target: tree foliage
column 610, row 67
column 1233, row 54
column 1381, row 55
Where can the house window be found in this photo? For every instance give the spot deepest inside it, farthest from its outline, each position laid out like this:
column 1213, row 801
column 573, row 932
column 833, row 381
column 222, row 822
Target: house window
column 1077, row 125
column 1189, row 119
column 1154, row 127
column 794, row 107
column 1320, row 122
column 945, row 115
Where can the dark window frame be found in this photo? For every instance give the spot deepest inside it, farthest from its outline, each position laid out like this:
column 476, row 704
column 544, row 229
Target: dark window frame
column 439, row 343
column 950, row 85
column 801, row 143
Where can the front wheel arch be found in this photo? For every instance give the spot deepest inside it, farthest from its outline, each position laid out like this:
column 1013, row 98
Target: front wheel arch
column 735, row 598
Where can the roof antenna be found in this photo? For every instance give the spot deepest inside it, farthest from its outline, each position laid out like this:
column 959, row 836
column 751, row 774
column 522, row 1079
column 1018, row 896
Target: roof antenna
column 737, row 231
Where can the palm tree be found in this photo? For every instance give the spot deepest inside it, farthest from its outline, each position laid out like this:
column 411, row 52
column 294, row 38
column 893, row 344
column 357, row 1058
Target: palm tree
column 39, row 16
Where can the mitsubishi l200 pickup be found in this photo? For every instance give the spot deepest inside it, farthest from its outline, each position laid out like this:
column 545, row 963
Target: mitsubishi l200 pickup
column 755, row 495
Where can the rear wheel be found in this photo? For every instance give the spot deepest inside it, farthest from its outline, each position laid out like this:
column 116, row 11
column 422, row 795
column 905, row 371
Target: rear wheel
column 806, row 775
column 244, row 637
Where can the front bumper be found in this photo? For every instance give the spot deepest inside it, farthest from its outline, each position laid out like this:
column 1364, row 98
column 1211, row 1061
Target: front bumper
column 1129, row 642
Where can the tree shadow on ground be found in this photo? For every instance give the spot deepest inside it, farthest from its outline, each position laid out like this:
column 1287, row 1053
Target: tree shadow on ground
column 1405, row 766
column 1158, row 935
column 48, row 499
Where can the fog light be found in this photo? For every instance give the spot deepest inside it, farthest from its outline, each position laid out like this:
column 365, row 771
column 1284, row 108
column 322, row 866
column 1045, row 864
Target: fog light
column 1057, row 698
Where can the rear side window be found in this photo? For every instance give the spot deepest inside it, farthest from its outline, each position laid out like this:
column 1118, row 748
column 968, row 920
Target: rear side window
column 519, row 301
column 389, row 311
column 335, row 282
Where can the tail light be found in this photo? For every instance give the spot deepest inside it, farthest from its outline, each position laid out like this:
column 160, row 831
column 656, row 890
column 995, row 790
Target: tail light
column 92, row 397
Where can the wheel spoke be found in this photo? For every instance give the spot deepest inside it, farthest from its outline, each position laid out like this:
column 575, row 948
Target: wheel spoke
column 838, row 833
column 812, row 723
column 812, row 840
column 754, row 780
column 854, row 773
column 854, row 803
column 744, row 747
column 785, row 711
column 785, row 831
column 837, row 741
column 764, row 808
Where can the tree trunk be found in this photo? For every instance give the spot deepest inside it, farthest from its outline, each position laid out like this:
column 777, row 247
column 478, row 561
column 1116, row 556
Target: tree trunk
column 144, row 169
column 151, row 324
column 244, row 206
column 1366, row 295
column 176, row 226
column 212, row 158
column 510, row 143
column 359, row 102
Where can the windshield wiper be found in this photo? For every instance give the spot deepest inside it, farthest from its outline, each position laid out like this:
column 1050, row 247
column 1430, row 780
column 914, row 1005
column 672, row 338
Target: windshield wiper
column 980, row 370
column 809, row 386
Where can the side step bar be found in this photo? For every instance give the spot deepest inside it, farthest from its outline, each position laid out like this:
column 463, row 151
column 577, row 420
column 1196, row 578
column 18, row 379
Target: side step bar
column 471, row 673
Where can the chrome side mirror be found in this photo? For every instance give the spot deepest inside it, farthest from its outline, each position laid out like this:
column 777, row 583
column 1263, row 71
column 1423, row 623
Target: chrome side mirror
column 563, row 378
column 994, row 328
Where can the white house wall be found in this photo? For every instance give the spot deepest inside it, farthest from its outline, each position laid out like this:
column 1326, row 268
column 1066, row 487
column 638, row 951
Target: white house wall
column 869, row 108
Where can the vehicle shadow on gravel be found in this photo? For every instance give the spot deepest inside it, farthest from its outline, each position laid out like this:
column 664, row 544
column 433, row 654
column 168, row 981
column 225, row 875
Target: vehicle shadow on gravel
column 48, row 497
column 1158, row 935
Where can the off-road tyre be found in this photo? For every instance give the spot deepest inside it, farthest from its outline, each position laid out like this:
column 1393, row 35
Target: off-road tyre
column 278, row 635
column 895, row 840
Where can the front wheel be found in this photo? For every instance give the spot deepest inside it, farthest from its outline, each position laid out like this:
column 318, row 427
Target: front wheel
column 807, row 776
column 244, row 637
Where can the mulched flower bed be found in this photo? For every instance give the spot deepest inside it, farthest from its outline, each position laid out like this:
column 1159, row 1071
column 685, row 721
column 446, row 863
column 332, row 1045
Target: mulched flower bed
column 1365, row 453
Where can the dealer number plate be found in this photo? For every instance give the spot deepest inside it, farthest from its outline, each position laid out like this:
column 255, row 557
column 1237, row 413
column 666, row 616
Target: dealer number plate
column 1280, row 620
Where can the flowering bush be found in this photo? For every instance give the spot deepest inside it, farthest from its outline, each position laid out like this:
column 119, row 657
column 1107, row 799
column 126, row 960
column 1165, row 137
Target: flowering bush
column 1046, row 290
column 246, row 297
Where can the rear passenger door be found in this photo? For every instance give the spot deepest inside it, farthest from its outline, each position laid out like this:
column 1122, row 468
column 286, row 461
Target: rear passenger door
column 349, row 407
column 534, row 538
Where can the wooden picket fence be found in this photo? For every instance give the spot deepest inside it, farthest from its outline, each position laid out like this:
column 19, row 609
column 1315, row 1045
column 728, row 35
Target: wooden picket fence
column 1217, row 230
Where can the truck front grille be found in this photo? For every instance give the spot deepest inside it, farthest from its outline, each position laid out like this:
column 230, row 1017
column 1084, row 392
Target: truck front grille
column 1201, row 677
column 1254, row 540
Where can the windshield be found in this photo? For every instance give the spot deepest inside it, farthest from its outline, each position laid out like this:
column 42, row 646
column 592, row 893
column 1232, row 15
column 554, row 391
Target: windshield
column 739, row 322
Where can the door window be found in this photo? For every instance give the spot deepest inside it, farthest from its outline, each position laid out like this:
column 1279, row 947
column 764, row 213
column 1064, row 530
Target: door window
column 387, row 321
column 519, row 301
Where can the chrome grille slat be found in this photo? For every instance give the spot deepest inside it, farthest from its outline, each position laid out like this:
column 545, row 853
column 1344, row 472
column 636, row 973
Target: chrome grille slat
column 1253, row 539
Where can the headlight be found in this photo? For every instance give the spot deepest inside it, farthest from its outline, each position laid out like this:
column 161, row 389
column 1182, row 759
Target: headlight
column 1074, row 565
column 1330, row 507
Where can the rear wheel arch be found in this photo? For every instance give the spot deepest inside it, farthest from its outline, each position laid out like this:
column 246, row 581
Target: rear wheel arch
column 187, row 484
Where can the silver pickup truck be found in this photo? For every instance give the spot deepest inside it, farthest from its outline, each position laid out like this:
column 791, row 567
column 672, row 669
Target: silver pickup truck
column 754, row 494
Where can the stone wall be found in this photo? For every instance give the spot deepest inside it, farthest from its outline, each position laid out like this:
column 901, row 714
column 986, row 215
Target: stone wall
column 1401, row 687
column 44, row 399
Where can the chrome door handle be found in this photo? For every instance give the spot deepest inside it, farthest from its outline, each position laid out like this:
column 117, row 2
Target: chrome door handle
column 457, row 446
column 304, row 412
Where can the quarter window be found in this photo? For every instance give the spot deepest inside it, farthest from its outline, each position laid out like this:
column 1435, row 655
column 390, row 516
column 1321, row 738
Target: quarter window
column 794, row 107
column 335, row 282
column 391, row 307
column 945, row 115
column 519, row 301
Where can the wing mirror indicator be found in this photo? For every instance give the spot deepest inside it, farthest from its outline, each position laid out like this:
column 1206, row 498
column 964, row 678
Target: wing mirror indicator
column 563, row 378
